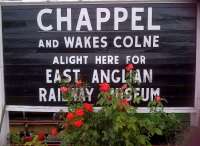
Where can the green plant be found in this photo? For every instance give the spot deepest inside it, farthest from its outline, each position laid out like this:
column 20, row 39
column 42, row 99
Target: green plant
column 15, row 138
column 173, row 128
column 35, row 140
column 117, row 123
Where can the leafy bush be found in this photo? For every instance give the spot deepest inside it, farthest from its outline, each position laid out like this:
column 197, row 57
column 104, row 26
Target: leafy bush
column 117, row 122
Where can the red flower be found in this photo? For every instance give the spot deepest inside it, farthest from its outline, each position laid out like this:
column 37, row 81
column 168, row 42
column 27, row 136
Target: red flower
column 88, row 107
column 28, row 138
column 41, row 136
column 79, row 83
column 70, row 116
column 129, row 67
column 157, row 99
column 79, row 112
column 64, row 89
column 54, row 131
column 104, row 87
column 124, row 102
column 124, row 86
column 78, row 123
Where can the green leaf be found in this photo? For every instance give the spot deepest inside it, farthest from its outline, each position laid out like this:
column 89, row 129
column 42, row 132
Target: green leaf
column 141, row 139
column 158, row 131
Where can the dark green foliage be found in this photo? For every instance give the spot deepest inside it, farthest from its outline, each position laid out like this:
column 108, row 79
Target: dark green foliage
column 118, row 123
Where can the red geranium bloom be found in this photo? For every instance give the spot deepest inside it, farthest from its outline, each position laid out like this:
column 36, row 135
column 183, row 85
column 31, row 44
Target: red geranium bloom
column 70, row 116
column 157, row 99
column 79, row 83
column 41, row 136
column 129, row 67
column 64, row 89
column 54, row 131
column 88, row 107
column 79, row 112
column 104, row 87
column 78, row 123
column 124, row 102
column 28, row 138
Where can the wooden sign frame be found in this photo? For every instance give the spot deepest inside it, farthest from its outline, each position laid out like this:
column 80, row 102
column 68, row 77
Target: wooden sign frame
column 193, row 110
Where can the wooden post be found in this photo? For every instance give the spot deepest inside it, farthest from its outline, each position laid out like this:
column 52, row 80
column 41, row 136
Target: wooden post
column 4, row 118
column 196, row 116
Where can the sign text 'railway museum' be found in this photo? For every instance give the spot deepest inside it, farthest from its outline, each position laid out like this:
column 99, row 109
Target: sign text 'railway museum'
column 45, row 43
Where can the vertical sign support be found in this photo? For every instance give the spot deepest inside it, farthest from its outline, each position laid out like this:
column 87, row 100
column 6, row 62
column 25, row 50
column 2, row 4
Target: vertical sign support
column 195, row 117
column 4, row 118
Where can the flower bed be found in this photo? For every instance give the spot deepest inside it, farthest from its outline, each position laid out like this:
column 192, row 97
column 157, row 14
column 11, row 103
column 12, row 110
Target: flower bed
column 117, row 123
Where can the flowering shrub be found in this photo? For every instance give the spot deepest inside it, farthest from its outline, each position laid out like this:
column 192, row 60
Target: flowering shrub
column 117, row 123
column 35, row 140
